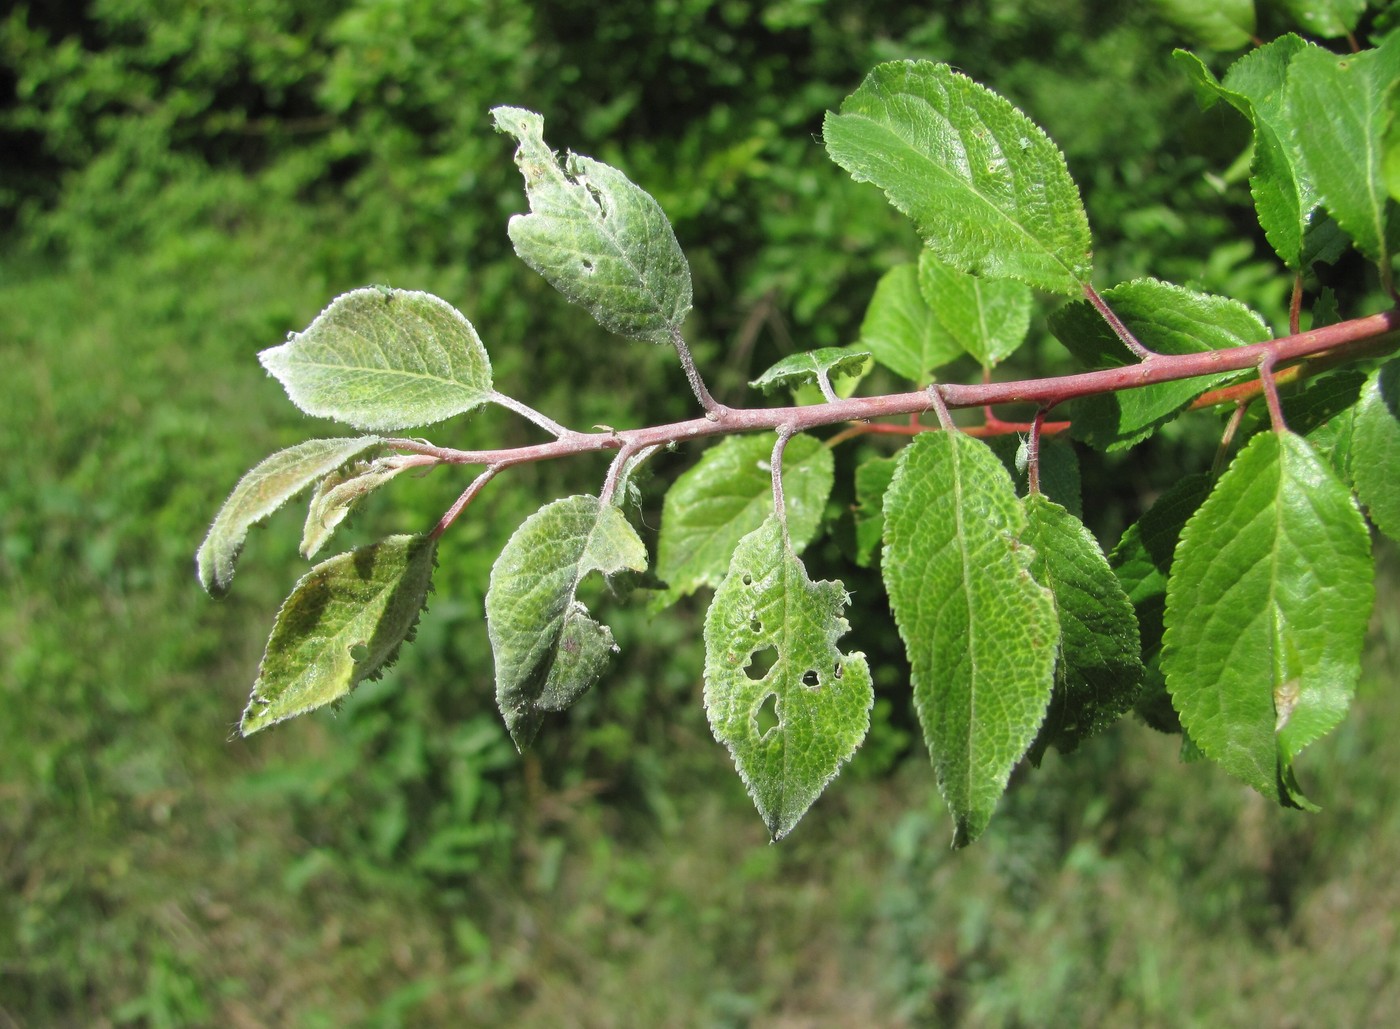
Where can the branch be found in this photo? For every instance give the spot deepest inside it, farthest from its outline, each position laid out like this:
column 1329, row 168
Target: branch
column 1357, row 337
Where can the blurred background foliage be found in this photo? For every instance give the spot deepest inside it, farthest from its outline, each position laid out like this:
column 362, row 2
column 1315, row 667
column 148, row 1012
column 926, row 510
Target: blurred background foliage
column 185, row 182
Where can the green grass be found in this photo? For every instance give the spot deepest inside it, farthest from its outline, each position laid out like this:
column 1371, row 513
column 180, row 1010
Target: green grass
column 399, row 864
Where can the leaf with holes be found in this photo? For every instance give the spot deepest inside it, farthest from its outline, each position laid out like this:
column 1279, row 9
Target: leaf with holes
column 729, row 494
column 987, row 317
column 548, row 648
column 1270, row 592
column 987, row 189
column 1341, row 107
column 269, row 485
column 343, row 623
column 980, row 633
column 900, row 331
column 1375, row 455
column 599, row 239
column 1099, row 671
column 770, row 653
column 383, row 359
column 1167, row 319
column 337, row 493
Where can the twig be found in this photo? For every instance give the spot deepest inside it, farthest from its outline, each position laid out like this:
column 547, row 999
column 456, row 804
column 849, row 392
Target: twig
column 525, row 411
column 460, row 505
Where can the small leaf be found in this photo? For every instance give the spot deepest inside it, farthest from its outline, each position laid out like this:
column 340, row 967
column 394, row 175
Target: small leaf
column 382, row 359
column 548, row 648
column 1099, row 671
column 1341, row 108
column 1167, row 319
column 343, row 623
column 1216, row 24
column 337, row 493
column 872, row 480
column 727, row 495
column 1142, row 562
column 987, row 317
column 1375, row 454
column 821, row 698
column 900, row 331
column 269, row 485
column 599, row 239
column 980, row 633
column 812, row 366
column 987, row 189
column 1270, row 592
column 1327, row 19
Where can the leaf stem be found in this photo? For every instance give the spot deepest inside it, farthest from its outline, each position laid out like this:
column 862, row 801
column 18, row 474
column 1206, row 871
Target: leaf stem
column 940, row 406
column 1116, row 324
column 776, row 470
column 713, row 408
column 525, row 411
column 460, row 504
column 1231, row 427
column 1033, row 453
column 1266, row 377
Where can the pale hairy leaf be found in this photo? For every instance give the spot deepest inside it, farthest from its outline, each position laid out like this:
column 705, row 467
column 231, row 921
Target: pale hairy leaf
column 547, row 646
column 987, row 189
column 1267, row 605
column 819, row 699
column 382, row 359
column 342, row 624
column 599, row 239
column 337, row 493
column 987, row 317
column 813, row 367
column 980, row 633
column 727, row 495
column 265, row 488
column 900, row 331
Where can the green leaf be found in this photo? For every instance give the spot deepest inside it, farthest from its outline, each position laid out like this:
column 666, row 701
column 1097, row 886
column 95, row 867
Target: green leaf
column 987, row 189
column 1270, row 593
column 1142, row 561
column 1375, row 454
column 382, row 359
column 599, row 239
column 770, row 653
column 813, row 366
column 872, row 480
column 1099, row 671
column 1216, row 24
column 1341, row 107
column 342, row 624
column 337, row 493
column 548, row 649
column 900, row 331
column 269, row 485
column 1167, row 319
column 980, row 633
column 987, row 317
column 727, row 495
column 1284, row 195
column 1327, row 19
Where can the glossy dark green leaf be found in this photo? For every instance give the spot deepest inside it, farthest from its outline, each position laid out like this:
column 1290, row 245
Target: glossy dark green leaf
column 343, row 623
column 771, row 654
column 987, row 189
column 1099, row 671
column 1267, row 605
column 980, row 633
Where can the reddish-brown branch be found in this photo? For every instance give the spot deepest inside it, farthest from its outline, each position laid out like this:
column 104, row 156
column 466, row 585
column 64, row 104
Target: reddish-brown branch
column 1358, row 336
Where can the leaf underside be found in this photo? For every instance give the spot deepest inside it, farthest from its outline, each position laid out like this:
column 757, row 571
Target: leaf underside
column 336, row 494
column 818, row 697
column 547, row 647
column 343, row 622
